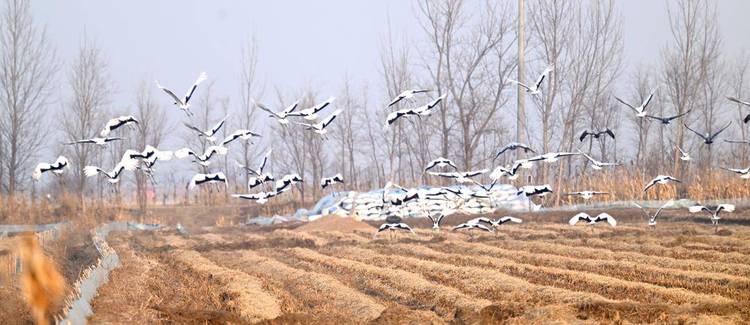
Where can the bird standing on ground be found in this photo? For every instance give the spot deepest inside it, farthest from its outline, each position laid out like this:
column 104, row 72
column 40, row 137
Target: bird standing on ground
column 184, row 103
column 56, row 167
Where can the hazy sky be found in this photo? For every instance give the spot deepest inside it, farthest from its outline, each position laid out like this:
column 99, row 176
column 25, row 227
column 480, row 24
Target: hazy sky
column 301, row 42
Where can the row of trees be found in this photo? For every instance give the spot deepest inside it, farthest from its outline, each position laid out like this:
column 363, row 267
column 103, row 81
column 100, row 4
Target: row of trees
column 468, row 52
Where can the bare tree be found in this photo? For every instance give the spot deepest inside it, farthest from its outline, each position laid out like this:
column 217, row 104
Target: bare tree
column 695, row 42
column 472, row 61
column 151, row 130
column 27, row 70
column 739, row 68
column 250, row 90
column 82, row 115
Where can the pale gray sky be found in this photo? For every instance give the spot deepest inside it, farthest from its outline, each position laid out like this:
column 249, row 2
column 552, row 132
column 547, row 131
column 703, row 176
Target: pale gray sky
column 300, row 43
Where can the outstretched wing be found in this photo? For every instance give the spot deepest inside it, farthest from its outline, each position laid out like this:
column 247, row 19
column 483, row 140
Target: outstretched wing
column 202, row 77
column 170, row 93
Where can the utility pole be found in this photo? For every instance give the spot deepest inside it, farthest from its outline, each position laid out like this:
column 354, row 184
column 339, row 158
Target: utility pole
column 521, row 115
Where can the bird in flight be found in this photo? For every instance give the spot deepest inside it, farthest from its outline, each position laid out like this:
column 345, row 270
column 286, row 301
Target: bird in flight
column 708, row 138
column 56, row 167
column 741, row 102
column 440, row 162
column 512, row 147
column 596, row 134
column 239, row 134
column 661, row 180
column 640, row 111
column 586, row 195
column 595, row 164
column 184, row 103
column 668, row 119
column 209, row 134
column 96, row 140
column 320, row 127
column 652, row 218
column 407, row 94
column 200, row 179
column 536, row 88
column 311, row 113
column 204, row 159
column 115, row 123
column 712, row 211
column 583, row 216
column 281, row 117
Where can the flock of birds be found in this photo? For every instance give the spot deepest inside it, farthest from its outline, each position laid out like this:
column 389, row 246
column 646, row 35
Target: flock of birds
column 144, row 161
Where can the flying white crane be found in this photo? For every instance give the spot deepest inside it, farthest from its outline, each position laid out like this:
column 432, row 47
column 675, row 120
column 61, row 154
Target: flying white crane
column 640, row 111
column 595, row 164
column 551, row 157
column 440, row 162
column 311, row 113
column 407, row 94
column 115, row 123
column 533, row 190
column 210, row 178
column 239, row 134
column 113, row 176
column 660, row 179
column 281, row 117
column 320, row 127
column 328, row 181
column 712, row 211
column 260, row 197
column 652, row 218
column 204, row 159
column 743, row 172
column 184, row 103
column 461, row 177
column 536, row 88
column 56, row 167
column 287, row 181
column 97, row 141
column 586, row 195
column 512, row 147
column 426, row 109
column 210, row 134
column 583, row 216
